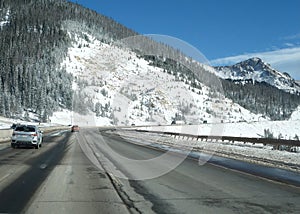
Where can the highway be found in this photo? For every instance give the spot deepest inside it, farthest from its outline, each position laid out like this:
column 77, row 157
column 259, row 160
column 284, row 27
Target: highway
column 93, row 171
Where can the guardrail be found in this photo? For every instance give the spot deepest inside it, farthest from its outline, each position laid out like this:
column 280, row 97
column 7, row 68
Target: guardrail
column 276, row 143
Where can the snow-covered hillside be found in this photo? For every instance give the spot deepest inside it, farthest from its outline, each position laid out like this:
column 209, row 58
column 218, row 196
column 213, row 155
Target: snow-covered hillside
column 122, row 88
column 255, row 69
column 296, row 115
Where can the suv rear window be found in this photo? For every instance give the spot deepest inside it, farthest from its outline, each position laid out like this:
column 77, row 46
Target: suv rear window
column 25, row 129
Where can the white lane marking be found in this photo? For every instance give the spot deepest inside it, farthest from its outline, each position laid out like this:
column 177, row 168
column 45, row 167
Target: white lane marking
column 58, row 133
column 5, row 176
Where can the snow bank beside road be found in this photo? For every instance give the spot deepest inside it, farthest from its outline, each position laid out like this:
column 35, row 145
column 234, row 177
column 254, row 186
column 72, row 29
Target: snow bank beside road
column 287, row 129
column 5, row 135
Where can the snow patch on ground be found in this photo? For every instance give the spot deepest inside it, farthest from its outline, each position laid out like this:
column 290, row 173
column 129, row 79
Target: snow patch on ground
column 295, row 115
column 58, row 119
column 5, row 123
column 66, row 117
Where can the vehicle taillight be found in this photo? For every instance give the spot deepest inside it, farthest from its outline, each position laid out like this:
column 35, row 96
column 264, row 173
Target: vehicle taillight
column 34, row 135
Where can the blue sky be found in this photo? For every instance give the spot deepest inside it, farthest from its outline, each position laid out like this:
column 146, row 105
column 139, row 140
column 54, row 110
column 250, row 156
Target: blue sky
column 225, row 31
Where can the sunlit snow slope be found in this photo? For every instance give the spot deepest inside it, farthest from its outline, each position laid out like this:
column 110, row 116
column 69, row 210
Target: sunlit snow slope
column 122, row 89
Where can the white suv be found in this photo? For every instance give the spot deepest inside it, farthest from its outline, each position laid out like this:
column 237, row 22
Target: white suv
column 27, row 136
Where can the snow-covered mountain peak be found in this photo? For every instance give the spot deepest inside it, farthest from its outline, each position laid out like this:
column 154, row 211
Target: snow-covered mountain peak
column 254, row 62
column 255, row 69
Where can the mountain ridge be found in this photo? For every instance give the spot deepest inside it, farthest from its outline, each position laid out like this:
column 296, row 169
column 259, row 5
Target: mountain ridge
column 255, row 69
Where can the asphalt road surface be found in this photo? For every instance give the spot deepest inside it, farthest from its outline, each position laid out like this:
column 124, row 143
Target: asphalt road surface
column 93, row 171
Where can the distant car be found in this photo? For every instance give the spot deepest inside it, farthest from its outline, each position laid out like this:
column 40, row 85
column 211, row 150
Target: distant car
column 75, row 128
column 27, row 136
